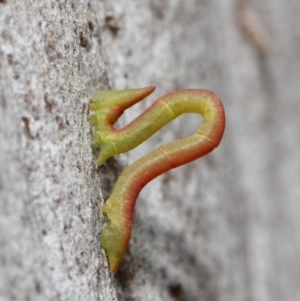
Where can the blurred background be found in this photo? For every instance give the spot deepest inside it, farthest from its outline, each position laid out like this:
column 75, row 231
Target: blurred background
column 225, row 227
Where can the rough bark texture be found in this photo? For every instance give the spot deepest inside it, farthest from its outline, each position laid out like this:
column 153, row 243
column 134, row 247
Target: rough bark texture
column 223, row 228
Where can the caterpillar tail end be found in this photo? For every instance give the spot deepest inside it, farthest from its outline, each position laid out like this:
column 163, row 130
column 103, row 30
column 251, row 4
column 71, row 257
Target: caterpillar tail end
column 107, row 151
column 101, row 158
column 115, row 243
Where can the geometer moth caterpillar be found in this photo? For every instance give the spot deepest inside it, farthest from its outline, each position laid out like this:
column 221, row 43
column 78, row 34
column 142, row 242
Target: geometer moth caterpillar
column 108, row 106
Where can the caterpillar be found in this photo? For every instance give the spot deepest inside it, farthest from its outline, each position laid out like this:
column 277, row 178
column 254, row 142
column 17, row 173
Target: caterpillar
column 107, row 107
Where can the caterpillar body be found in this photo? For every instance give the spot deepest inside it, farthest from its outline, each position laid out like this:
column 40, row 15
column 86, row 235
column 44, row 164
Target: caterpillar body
column 108, row 106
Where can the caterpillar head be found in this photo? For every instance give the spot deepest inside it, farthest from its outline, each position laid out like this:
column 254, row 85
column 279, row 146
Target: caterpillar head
column 115, row 243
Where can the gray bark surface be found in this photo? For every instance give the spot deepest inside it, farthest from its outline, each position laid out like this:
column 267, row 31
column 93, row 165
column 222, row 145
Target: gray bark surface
column 225, row 227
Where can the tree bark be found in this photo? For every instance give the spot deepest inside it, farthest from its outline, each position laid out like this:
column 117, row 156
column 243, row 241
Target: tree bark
column 223, row 228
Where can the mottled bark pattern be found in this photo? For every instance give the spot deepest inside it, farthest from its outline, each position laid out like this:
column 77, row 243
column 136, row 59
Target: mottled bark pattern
column 223, row 228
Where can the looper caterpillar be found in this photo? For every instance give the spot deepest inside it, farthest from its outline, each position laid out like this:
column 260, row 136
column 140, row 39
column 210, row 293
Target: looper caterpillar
column 108, row 106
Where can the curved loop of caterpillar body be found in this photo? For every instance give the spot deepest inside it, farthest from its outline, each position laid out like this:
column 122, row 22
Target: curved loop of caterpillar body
column 108, row 106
